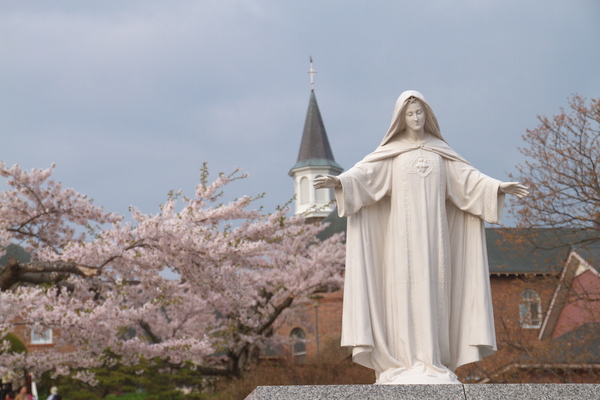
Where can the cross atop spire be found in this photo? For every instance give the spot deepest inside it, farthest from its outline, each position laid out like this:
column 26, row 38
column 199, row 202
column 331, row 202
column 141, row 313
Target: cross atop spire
column 315, row 159
column 314, row 147
column 312, row 73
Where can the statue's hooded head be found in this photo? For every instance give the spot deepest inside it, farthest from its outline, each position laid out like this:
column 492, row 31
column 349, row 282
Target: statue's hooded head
column 398, row 125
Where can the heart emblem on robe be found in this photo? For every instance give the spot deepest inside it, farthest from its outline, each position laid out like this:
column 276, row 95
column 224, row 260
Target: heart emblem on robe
column 422, row 166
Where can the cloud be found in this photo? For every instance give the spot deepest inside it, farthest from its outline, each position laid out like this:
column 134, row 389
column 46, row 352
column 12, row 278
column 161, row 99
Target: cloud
column 129, row 98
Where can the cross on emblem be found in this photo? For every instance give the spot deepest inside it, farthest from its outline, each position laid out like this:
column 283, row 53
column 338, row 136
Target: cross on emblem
column 422, row 166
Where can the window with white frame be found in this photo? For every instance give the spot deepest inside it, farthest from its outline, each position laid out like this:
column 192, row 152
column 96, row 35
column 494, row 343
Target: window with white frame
column 530, row 310
column 41, row 335
column 298, row 337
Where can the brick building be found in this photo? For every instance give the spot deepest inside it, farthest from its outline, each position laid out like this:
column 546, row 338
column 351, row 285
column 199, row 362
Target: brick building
column 546, row 310
column 33, row 340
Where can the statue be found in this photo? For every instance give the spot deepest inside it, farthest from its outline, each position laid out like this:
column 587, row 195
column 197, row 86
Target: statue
column 417, row 302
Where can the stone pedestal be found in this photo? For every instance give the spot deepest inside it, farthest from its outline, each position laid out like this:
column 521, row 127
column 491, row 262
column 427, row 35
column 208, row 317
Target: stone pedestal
column 433, row 392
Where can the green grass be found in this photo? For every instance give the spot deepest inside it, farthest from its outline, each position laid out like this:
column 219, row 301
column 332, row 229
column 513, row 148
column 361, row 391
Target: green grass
column 128, row 396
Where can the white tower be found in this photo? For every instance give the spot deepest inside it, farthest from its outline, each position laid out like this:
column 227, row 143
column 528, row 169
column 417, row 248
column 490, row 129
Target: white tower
column 314, row 159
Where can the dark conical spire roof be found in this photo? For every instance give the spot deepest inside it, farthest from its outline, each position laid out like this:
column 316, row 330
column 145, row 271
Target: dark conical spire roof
column 314, row 148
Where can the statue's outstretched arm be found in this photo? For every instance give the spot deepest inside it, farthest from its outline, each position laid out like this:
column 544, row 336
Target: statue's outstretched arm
column 514, row 188
column 328, row 181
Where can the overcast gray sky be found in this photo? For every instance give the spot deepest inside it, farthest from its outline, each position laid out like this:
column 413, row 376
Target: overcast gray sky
column 129, row 98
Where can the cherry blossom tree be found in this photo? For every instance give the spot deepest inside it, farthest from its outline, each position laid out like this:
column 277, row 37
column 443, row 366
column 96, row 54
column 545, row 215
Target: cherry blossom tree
column 98, row 280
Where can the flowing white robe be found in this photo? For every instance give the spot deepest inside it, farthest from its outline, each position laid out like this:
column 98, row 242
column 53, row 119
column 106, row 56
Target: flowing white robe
column 417, row 298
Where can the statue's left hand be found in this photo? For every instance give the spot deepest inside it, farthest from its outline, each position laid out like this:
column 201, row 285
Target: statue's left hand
column 514, row 188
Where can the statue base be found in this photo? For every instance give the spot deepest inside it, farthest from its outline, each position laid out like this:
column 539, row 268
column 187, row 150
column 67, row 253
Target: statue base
column 418, row 375
column 564, row 391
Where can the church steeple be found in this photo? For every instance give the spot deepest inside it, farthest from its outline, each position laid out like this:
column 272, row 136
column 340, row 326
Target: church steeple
column 314, row 147
column 315, row 159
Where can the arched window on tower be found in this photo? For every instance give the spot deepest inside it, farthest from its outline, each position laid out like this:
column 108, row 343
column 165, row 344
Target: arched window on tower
column 530, row 310
column 298, row 337
column 304, row 191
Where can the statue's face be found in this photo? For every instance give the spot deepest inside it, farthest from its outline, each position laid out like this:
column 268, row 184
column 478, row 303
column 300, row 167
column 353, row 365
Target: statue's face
column 415, row 116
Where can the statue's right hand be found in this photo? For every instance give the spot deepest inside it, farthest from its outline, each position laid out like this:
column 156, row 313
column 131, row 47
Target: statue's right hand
column 328, row 181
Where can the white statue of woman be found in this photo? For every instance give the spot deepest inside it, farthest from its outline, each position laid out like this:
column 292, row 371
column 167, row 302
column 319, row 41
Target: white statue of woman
column 417, row 301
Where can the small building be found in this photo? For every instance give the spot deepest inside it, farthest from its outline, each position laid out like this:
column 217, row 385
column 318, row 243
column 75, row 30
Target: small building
column 33, row 339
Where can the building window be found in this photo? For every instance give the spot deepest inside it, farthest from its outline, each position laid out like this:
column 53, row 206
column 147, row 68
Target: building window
column 41, row 336
column 530, row 310
column 298, row 345
column 304, row 191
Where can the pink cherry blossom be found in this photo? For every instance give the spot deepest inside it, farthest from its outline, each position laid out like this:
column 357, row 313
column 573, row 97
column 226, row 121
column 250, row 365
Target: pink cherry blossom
column 97, row 279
